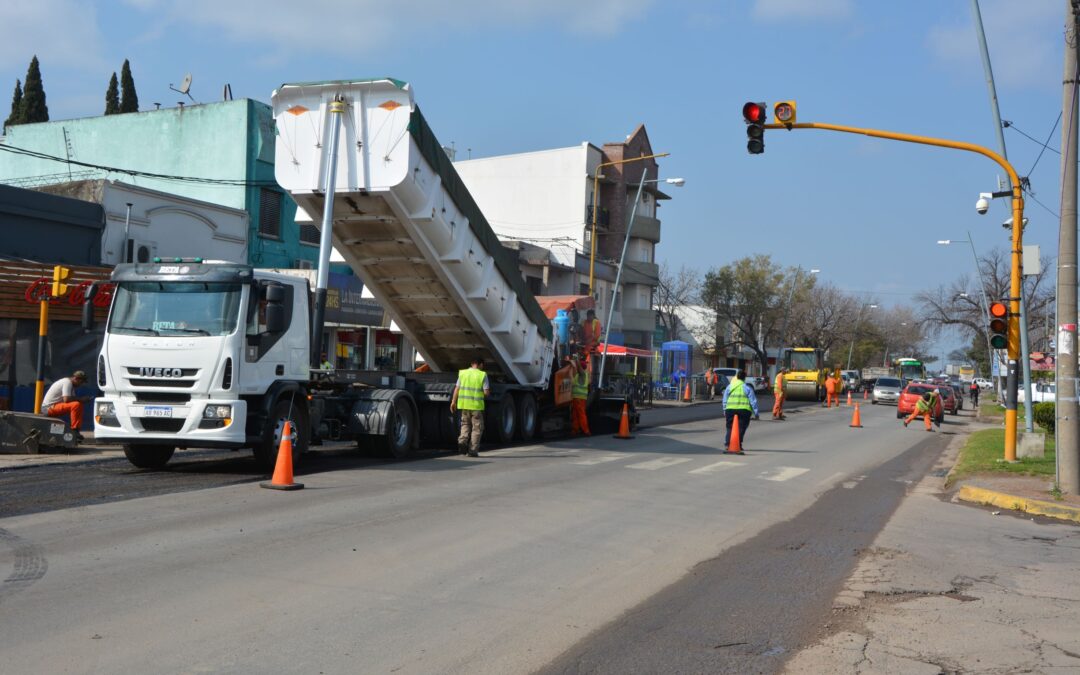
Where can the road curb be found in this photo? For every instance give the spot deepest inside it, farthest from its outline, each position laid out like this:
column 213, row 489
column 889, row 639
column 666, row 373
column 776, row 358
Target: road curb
column 979, row 495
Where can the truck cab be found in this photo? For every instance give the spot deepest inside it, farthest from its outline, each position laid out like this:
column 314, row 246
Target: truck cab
column 201, row 353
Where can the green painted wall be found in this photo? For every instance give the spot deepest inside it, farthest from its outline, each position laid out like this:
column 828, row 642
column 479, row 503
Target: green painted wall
column 232, row 140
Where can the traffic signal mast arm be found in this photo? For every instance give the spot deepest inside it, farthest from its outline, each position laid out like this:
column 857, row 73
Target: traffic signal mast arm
column 1017, row 248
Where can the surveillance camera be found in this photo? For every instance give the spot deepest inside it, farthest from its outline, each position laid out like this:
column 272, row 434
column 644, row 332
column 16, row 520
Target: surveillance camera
column 982, row 206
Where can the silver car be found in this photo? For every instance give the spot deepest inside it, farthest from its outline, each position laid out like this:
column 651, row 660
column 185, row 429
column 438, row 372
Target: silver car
column 887, row 390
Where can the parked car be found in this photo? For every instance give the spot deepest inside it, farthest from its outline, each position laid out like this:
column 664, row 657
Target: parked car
column 959, row 390
column 1040, row 392
column 984, row 383
column 886, row 390
column 760, row 384
column 912, row 393
column 949, row 399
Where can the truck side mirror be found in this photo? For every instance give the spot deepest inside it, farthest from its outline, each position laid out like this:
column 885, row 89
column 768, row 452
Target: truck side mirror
column 275, row 317
column 275, row 294
column 88, row 308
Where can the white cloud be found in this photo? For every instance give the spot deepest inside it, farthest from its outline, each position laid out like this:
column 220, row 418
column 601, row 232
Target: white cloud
column 1024, row 40
column 803, row 9
column 63, row 33
column 358, row 26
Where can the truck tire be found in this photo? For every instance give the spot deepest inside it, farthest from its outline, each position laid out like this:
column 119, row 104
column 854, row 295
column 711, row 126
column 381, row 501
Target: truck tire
column 528, row 413
column 148, row 456
column 267, row 450
column 401, row 427
column 500, row 422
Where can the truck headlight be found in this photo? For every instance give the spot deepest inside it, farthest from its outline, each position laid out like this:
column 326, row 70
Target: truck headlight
column 217, row 412
column 105, row 409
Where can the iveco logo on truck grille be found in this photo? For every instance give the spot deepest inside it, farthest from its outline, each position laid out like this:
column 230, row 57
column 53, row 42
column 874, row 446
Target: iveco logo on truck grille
column 160, row 372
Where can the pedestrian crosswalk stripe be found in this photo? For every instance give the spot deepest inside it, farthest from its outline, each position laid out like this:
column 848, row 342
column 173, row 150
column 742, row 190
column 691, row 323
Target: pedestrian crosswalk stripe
column 718, row 466
column 615, row 456
column 661, row 463
column 782, row 473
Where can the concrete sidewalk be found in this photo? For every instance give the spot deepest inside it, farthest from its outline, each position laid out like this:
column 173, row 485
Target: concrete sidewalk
column 950, row 587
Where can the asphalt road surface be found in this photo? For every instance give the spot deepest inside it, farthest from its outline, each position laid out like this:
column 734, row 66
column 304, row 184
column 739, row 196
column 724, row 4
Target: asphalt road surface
column 657, row 554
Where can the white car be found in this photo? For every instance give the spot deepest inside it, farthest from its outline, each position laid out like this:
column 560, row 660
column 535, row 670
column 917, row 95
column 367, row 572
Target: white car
column 759, row 384
column 1040, row 392
column 983, row 383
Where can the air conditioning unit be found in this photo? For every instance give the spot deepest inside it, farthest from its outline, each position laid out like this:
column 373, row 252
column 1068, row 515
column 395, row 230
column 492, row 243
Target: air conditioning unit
column 140, row 251
column 303, row 264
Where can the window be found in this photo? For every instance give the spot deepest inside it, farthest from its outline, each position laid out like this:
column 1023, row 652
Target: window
column 270, row 213
column 175, row 308
column 535, row 285
column 309, row 234
column 583, row 289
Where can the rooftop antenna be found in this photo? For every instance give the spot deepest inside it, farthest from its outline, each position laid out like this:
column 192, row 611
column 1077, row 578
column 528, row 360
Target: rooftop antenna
column 226, row 93
column 185, row 87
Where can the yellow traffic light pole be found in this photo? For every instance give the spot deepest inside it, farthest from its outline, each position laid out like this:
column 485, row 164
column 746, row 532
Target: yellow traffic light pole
column 1017, row 249
column 60, row 275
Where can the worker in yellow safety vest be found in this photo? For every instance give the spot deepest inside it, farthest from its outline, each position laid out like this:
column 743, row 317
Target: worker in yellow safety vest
column 779, row 395
column 579, row 378
column 739, row 402
column 469, row 392
column 928, row 407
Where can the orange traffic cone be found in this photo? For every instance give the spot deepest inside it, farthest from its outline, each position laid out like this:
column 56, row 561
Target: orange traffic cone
column 735, row 447
column 283, row 477
column 856, row 422
column 865, row 394
column 849, row 399
column 624, row 423
column 686, row 393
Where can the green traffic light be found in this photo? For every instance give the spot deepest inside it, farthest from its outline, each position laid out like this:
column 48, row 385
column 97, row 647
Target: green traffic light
column 999, row 341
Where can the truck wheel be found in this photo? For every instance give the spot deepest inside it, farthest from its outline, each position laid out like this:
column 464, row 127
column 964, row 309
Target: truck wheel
column 528, row 416
column 400, row 428
column 266, row 451
column 148, row 456
column 501, row 420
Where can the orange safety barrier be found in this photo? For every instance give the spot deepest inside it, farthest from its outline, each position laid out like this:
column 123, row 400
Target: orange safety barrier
column 735, row 448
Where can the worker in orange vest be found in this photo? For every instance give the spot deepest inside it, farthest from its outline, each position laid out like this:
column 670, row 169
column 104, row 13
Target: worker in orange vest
column 778, row 395
column 591, row 331
column 832, row 393
column 710, row 381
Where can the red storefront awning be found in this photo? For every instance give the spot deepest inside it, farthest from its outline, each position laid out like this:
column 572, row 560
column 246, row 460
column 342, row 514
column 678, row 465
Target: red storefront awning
column 620, row 350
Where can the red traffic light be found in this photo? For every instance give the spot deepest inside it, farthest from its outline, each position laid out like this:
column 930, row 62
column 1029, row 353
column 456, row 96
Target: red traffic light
column 998, row 310
column 753, row 113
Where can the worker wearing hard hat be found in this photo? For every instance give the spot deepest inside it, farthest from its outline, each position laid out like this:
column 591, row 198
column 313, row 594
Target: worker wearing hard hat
column 779, row 395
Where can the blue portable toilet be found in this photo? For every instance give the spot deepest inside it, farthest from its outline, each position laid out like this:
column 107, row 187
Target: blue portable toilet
column 675, row 360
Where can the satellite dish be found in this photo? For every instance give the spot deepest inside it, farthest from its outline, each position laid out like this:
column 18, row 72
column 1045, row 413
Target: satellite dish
column 185, row 86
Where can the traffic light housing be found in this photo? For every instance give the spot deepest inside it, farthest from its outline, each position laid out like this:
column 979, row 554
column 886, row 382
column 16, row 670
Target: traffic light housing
column 754, row 115
column 999, row 325
column 60, row 275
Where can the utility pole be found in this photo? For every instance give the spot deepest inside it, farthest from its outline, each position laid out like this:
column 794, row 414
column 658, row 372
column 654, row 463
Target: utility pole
column 1025, row 357
column 1068, row 426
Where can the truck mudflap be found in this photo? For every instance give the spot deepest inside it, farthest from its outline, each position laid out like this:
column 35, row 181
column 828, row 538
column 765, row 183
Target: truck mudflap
column 390, row 417
column 28, row 434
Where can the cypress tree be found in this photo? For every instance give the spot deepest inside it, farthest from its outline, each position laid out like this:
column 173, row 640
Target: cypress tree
column 129, row 100
column 112, row 97
column 16, row 106
column 33, row 102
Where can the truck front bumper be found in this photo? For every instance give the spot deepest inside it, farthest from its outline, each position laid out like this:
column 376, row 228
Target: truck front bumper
column 179, row 425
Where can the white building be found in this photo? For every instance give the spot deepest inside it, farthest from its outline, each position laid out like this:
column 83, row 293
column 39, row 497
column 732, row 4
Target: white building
column 160, row 224
column 545, row 199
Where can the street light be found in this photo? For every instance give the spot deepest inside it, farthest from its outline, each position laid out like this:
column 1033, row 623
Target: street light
column 678, row 182
column 982, row 284
column 851, row 347
column 596, row 204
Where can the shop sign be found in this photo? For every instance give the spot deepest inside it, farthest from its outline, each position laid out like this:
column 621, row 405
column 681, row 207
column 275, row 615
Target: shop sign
column 41, row 290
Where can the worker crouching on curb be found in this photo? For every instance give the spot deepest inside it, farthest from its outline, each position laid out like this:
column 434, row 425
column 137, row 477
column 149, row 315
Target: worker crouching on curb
column 739, row 402
column 469, row 392
column 926, row 406
column 779, row 395
column 61, row 401
column 579, row 377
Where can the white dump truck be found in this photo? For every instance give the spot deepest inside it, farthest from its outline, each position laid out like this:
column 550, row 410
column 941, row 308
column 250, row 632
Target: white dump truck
column 211, row 354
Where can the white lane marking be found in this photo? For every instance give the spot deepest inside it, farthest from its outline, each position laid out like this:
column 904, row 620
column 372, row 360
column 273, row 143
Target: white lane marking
column 719, row 466
column 782, row 473
column 661, row 463
column 613, row 457
column 832, row 479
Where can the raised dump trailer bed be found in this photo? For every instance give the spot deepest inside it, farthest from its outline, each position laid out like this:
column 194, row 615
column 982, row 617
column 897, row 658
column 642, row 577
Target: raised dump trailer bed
column 405, row 223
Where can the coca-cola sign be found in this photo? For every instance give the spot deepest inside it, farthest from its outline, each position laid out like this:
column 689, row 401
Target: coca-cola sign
column 41, row 290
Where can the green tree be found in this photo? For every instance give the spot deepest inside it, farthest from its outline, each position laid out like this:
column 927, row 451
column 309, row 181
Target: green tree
column 33, row 102
column 129, row 100
column 112, row 97
column 16, row 106
column 746, row 296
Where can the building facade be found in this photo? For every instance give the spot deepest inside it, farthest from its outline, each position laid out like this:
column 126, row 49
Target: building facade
column 221, row 153
column 545, row 200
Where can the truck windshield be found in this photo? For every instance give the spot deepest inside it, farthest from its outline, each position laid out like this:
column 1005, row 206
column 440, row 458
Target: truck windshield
column 175, row 308
column 801, row 361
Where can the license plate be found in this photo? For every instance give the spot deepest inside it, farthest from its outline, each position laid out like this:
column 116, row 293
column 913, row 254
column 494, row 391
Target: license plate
column 157, row 411
column 56, row 429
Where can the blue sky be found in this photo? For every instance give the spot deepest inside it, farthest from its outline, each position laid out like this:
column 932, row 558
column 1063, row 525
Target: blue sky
column 504, row 76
